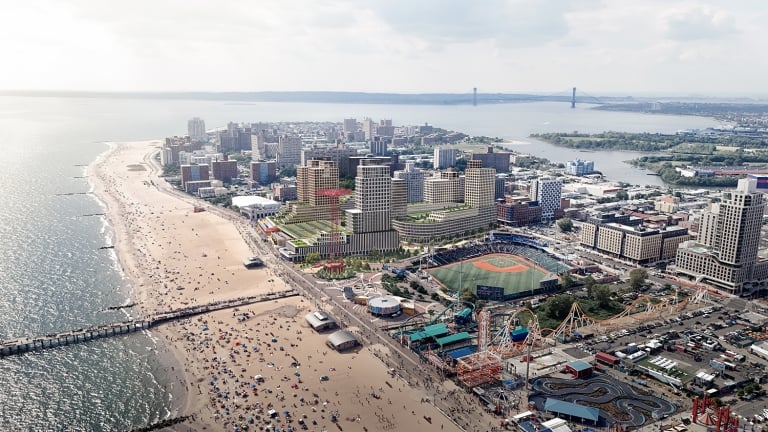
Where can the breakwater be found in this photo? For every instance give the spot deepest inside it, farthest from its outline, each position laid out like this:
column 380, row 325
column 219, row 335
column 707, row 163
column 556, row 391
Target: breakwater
column 71, row 337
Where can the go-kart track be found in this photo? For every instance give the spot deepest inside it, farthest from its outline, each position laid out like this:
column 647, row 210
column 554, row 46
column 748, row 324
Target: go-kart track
column 619, row 403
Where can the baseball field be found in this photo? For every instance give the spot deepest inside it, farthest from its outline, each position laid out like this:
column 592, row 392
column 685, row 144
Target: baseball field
column 513, row 273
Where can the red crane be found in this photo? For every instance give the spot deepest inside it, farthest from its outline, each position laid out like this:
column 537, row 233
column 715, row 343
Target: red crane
column 334, row 264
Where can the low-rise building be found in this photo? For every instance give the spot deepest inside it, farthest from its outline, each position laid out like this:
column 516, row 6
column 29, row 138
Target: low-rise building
column 342, row 340
column 192, row 173
column 518, row 212
column 625, row 237
column 255, row 207
column 320, row 321
column 193, row 187
column 579, row 167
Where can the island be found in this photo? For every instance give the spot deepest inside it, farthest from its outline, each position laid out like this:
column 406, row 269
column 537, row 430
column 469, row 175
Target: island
column 698, row 158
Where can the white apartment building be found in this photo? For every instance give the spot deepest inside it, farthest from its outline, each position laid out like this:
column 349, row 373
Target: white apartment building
column 444, row 157
column 288, row 151
column 547, row 191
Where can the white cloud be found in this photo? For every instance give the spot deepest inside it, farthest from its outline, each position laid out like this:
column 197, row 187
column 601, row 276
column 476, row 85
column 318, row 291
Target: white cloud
column 385, row 45
column 698, row 22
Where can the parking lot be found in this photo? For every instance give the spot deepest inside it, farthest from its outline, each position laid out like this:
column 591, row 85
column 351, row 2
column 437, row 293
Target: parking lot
column 693, row 339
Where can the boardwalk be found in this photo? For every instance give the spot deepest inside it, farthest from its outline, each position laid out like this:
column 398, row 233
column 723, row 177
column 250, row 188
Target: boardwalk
column 28, row 344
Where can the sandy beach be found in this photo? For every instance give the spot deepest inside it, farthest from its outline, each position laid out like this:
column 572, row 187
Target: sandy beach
column 236, row 366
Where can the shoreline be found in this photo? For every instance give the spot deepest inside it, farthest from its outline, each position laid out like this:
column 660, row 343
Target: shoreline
column 177, row 257
column 131, row 273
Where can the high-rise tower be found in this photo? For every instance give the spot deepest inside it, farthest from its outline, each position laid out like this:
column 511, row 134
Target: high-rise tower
column 479, row 185
column 314, row 176
column 288, row 151
column 725, row 253
column 547, row 191
column 373, row 195
column 414, row 180
column 196, row 130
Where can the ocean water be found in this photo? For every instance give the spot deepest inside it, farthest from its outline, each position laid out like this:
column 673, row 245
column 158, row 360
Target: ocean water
column 53, row 277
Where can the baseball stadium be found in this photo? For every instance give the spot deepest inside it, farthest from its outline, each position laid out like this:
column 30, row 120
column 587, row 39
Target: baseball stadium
column 505, row 267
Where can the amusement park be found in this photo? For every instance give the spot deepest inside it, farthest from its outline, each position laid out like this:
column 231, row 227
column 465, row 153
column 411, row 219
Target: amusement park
column 663, row 358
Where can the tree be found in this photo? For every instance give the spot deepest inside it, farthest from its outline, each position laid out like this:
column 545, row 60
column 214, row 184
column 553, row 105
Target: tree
column 347, row 183
column 461, row 164
column 637, row 278
column 566, row 280
column 589, row 283
column 565, row 224
column 622, row 195
column 558, row 306
column 602, row 295
column 288, row 171
column 468, row 296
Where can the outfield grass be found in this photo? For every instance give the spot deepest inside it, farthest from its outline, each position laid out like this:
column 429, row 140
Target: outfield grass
column 471, row 275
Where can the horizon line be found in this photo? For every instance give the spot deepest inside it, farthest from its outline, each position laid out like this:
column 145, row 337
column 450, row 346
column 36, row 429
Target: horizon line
column 615, row 96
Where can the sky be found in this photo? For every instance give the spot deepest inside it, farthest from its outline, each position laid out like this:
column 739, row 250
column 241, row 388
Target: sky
column 612, row 47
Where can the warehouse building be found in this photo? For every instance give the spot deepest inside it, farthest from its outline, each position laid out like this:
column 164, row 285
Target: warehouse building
column 342, row 340
column 320, row 321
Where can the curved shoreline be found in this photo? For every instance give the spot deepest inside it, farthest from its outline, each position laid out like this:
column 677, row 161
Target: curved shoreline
column 131, row 271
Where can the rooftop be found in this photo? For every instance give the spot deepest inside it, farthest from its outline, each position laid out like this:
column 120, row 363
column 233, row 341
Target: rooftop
column 571, row 409
column 434, row 330
column 341, row 337
column 458, row 337
column 249, row 200
column 580, row 365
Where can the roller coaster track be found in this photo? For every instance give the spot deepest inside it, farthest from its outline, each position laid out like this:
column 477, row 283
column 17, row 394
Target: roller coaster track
column 503, row 324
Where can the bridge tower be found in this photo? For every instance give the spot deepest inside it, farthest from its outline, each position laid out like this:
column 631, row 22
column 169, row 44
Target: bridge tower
column 573, row 98
column 474, row 96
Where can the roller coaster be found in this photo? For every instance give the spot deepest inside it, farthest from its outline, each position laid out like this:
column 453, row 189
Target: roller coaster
column 503, row 326
column 511, row 333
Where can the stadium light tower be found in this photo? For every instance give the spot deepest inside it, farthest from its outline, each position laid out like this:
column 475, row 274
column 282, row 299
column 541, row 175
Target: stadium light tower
column 531, row 273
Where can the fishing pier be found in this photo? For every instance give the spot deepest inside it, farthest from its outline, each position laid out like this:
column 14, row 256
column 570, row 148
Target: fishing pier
column 29, row 344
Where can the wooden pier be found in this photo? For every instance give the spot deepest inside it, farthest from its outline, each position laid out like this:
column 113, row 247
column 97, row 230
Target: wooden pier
column 28, row 344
